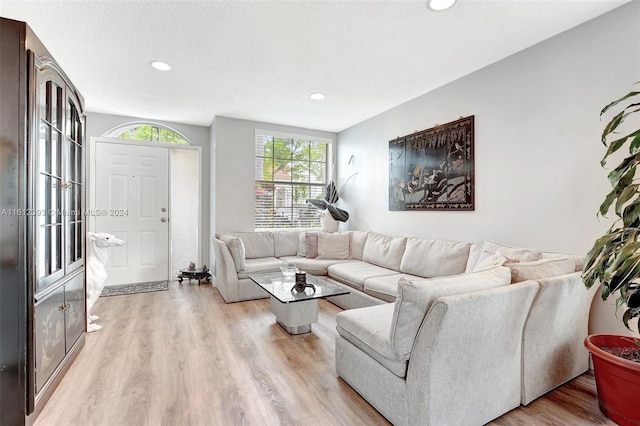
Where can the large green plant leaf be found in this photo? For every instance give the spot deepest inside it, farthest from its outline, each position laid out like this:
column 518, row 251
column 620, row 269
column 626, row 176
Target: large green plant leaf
column 631, row 214
column 629, row 162
column 616, row 102
column 614, row 259
column 625, row 195
column 619, row 143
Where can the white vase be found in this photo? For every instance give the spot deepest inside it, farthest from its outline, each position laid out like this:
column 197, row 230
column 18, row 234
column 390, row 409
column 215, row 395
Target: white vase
column 328, row 222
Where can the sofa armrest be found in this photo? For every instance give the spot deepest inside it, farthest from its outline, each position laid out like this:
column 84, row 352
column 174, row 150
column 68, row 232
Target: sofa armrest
column 552, row 343
column 225, row 276
column 465, row 364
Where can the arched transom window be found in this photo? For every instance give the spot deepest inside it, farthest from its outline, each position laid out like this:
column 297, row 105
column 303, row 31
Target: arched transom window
column 149, row 132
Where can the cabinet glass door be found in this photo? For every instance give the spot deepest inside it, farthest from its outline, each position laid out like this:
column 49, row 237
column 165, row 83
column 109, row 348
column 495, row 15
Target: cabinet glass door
column 74, row 185
column 48, row 204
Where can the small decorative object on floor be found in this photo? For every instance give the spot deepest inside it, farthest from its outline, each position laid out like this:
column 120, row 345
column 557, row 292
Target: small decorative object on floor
column 195, row 273
column 301, row 282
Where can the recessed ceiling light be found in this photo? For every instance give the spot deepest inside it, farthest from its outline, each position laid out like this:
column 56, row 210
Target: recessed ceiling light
column 161, row 66
column 440, row 4
column 317, row 96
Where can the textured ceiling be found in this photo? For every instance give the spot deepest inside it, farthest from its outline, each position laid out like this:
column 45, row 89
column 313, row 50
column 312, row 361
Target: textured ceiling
column 260, row 60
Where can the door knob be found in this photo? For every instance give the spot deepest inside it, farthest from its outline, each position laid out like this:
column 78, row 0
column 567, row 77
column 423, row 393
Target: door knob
column 164, row 209
column 164, row 219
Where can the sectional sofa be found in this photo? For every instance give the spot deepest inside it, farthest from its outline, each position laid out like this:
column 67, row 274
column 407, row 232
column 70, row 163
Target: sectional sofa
column 434, row 331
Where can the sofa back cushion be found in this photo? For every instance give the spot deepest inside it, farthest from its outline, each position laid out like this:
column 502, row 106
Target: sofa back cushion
column 434, row 258
column 285, row 243
column 540, row 269
column 384, row 251
column 474, row 255
column 358, row 240
column 257, row 244
column 579, row 260
column 416, row 297
column 236, row 248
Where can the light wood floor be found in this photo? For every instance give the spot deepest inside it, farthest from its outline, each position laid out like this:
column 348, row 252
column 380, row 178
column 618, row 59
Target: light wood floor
column 184, row 357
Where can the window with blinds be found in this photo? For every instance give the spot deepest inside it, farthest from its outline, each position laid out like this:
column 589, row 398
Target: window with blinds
column 289, row 170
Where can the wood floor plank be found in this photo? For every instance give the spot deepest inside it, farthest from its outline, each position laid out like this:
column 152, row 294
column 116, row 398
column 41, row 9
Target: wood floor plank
column 184, row 357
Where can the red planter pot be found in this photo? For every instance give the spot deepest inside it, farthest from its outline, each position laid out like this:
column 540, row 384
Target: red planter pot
column 617, row 379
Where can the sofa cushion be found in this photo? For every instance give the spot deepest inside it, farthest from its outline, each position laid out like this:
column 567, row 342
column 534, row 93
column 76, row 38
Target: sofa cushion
column 474, row 254
column 434, row 258
column 333, row 245
column 316, row 267
column 256, row 244
column 384, row 251
column 578, row 259
column 368, row 329
column 285, row 243
column 416, row 297
column 264, row 264
column 545, row 268
column 517, row 253
column 386, row 287
column 236, row 248
column 358, row 240
column 354, row 273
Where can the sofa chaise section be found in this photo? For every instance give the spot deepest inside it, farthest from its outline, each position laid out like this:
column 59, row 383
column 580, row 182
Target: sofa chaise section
column 463, row 366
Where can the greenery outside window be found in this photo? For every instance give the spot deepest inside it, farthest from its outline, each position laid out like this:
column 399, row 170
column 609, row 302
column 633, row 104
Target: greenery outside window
column 288, row 171
column 148, row 132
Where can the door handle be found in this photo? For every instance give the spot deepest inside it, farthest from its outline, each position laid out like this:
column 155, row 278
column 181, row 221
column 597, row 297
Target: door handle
column 164, row 209
column 164, row 219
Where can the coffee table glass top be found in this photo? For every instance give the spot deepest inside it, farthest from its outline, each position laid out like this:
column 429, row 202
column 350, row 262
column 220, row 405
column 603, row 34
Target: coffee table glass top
column 273, row 283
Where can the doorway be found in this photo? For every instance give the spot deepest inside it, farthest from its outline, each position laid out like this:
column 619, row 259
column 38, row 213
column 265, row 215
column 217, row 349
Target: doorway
column 146, row 194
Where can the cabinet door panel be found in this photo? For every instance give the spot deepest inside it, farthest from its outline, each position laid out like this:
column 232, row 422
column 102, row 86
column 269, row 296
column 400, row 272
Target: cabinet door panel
column 49, row 335
column 74, row 184
column 74, row 312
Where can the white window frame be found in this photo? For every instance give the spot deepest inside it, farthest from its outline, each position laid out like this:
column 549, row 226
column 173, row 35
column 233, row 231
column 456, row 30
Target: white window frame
column 329, row 176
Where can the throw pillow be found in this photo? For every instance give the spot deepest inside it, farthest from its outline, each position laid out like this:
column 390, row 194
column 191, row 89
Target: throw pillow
column 302, row 244
column 312, row 244
column 522, row 254
column 333, row 246
column 545, row 268
column 493, row 261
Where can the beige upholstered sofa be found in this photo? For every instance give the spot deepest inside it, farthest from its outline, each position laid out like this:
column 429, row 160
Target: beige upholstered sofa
column 434, row 331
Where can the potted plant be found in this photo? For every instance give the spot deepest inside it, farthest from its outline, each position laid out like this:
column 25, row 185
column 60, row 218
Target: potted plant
column 614, row 262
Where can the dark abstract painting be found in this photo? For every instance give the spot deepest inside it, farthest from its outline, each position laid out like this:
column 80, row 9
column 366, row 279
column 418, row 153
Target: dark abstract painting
column 433, row 169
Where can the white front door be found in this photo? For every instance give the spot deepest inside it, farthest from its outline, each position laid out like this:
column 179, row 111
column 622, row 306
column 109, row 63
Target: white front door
column 132, row 202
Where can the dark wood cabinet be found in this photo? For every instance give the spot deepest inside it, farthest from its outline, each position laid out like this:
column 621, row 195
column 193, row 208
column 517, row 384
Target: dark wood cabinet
column 42, row 276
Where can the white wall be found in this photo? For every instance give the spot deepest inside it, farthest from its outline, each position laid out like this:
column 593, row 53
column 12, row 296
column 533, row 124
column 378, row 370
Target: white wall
column 234, row 142
column 98, row 124
column 537, row 145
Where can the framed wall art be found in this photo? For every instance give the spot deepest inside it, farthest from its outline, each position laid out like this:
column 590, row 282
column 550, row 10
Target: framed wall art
column 433, row 169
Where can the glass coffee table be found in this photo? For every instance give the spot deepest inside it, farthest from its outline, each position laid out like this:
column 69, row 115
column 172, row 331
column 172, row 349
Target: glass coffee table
column 295, row 312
